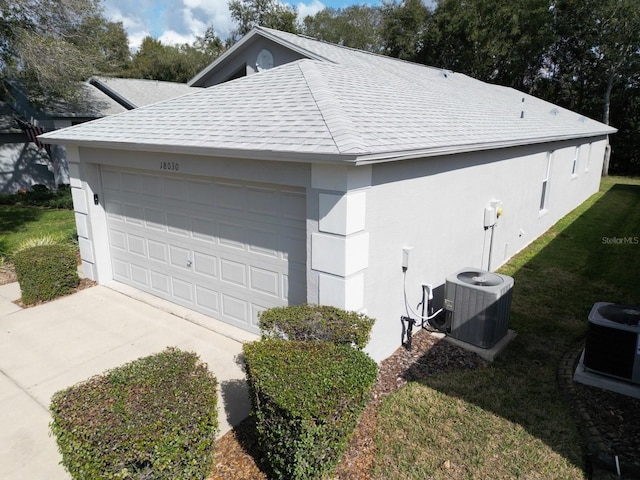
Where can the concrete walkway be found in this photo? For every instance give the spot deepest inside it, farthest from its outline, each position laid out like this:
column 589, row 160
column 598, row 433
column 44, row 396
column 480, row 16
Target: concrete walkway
column 52, row 346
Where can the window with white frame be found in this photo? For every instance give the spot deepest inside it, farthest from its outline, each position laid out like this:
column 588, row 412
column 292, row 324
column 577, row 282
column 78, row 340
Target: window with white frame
column 586, row 163
column 574, row 166
column 544, row 195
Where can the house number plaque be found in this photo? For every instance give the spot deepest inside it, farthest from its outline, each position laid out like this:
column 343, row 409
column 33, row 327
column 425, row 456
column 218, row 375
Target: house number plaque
column 172, row 166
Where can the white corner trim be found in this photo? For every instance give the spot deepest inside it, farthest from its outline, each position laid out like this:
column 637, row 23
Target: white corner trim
column 340, row 178
column 345, row 293
column 342, row 256
column 342, row 214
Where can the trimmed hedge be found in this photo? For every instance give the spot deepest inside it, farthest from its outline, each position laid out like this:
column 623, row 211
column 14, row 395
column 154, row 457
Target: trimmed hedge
column 46, row 272
column 307, row 398
column 155, row 418
column 316, row 322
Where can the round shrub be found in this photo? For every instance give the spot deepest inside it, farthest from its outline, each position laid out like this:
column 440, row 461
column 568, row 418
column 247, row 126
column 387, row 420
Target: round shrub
column 307, row 398
column 46, row 272
column 316, row 323
column 154, row 418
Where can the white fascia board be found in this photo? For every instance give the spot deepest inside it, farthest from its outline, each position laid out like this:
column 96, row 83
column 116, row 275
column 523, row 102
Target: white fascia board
column 291, row 46
column 475, row 147
column 230, row 52
column 310, row 157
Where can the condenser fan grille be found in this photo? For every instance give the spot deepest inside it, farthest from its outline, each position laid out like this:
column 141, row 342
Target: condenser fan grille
column 480, row 278
column 623, row 314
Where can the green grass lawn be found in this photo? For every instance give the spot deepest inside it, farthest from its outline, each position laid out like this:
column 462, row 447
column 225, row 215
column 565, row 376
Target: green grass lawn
column 510, row 420
column 19, row 223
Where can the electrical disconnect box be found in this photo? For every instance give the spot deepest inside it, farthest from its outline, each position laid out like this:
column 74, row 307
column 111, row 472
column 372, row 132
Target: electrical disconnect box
column 490, row 217
column 405, row 258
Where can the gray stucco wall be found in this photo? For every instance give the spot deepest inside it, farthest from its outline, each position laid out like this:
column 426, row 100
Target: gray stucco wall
column 437, row 206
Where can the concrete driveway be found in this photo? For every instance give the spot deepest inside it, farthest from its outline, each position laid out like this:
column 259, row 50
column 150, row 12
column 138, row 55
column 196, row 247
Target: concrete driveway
column 47, row 348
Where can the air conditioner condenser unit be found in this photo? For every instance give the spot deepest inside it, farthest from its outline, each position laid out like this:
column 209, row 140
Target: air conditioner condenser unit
column 612, row 345
column 477, row 305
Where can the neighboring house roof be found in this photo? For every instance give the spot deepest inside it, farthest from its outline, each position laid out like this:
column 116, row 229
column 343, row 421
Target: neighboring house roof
column 371, row 108
column 102, row 96
column 8, row 119
column 133, row 93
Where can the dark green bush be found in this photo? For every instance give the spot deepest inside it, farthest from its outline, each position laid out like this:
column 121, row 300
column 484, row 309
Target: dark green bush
column 40, row 196
column 154, row 418
column 46, row 272
column 307, row 398
column 316, row 322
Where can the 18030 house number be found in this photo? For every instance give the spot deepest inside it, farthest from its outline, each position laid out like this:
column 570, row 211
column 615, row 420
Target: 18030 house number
column 172, row 166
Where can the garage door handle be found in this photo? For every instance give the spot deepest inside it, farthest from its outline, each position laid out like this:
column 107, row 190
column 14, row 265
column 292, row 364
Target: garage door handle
column 189, row 263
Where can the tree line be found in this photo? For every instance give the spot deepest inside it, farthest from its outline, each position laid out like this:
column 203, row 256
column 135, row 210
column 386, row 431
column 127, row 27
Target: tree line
column 580, row 54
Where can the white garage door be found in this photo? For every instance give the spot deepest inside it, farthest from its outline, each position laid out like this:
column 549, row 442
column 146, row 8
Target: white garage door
column 224, row 248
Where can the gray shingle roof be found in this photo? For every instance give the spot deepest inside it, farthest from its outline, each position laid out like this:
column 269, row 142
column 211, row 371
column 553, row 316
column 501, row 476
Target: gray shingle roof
column 364, row 111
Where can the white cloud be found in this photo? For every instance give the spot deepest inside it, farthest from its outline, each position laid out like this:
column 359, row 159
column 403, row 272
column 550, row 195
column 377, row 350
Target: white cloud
column 309, row 9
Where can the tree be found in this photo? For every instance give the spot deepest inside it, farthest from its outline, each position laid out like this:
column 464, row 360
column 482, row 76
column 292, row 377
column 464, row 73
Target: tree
column 356, row 26
column 174, row 63
column 265, row 13
column 402, row 29
column 500, row 41
column 597, row 48
column 53, row 45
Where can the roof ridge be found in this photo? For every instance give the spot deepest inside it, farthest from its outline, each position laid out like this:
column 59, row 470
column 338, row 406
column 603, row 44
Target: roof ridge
column 343, row 131
column 381, row 56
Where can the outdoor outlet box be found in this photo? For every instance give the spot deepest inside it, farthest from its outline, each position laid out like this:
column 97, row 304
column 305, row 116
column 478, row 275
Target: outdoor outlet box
column 405, row 257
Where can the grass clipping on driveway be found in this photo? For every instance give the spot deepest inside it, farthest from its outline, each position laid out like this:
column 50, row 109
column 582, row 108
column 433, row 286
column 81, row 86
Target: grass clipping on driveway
column 511, row 420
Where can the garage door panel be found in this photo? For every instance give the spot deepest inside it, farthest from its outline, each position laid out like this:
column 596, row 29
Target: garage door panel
column 139, row 275
column 293, row 206
column 201, row 193
column 160, row 281
column 203, row 229
column 294, row 289
column 175, row 188
column 154, row 219
column 177, row 224
column 233, row 272
column 130, row 182
column 235, row 308
column 226, row 249
column 230, row 197
column 262, row 201
column 264, row 281
column 118, row 240
column 263, row 241
column 182, row 289
column 292, row 245
column 133, row 214
column 180, row 257
column 151, row 185
column 205, row 264
column 208, row 299
column 114, row 211
column 231, row 235
column 157, row 250
column 137, row 245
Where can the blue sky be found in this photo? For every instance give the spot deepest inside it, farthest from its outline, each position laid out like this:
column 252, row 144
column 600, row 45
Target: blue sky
column 180, row 21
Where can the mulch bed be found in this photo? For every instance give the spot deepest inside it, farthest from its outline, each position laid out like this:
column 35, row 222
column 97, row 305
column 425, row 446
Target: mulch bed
column 237, row 456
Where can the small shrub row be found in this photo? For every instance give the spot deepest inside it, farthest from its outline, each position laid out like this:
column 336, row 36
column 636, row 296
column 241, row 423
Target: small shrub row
column 46, row 272
column 316, row 322
column 307, row 398
column 155, row 418
column 40, row 195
